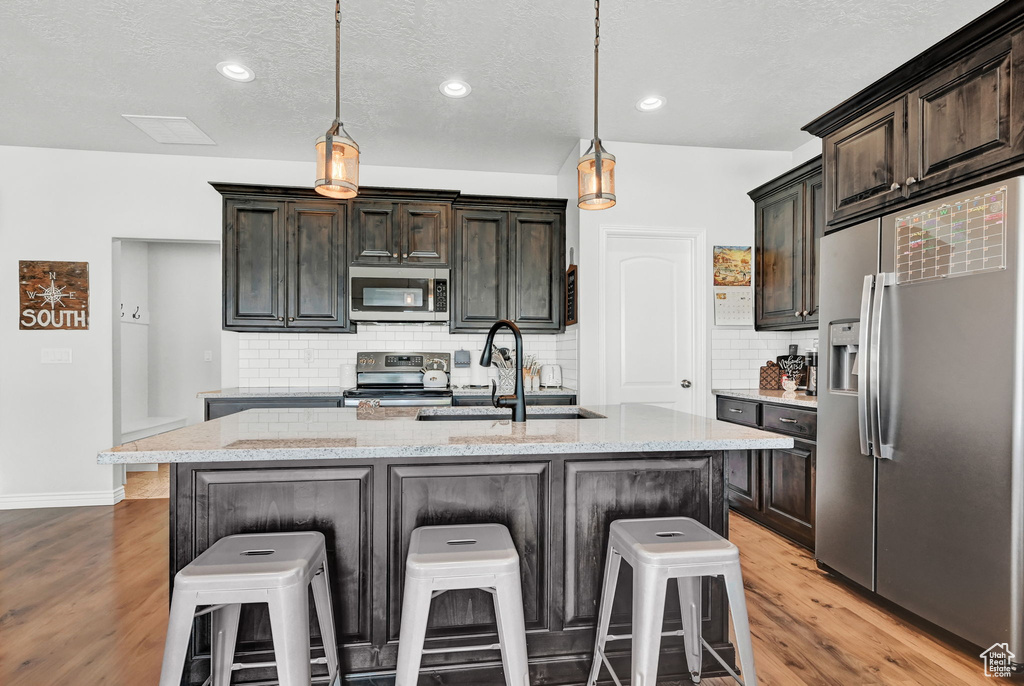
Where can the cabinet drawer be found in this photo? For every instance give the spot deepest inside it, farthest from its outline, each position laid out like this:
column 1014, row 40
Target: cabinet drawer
column 788, row 420
column 737, row 411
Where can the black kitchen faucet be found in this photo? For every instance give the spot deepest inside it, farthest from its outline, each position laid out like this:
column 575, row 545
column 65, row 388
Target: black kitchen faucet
column 517, row 401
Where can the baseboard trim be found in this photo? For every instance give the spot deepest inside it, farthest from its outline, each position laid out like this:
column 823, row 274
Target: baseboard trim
column 25, row 501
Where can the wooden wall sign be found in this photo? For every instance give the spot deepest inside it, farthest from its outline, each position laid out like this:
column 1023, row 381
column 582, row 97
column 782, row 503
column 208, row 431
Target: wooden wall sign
column 54, row 295
column 572, row 303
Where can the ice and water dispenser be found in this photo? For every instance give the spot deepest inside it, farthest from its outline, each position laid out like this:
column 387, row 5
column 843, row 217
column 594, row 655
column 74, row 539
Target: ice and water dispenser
column 844, row 341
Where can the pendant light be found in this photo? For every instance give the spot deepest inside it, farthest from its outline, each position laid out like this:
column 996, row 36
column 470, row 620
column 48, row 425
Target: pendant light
column 337, row 155
column 596, row 169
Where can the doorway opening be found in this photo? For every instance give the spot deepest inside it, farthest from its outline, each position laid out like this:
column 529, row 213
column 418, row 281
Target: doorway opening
column 167, row 344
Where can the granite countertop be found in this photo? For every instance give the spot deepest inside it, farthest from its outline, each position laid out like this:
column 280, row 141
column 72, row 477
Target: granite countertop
column 337, row 391
column 794, row 398
column 339, row 433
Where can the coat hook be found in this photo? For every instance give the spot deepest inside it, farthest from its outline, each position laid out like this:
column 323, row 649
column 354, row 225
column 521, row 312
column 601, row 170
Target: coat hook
column 135, row 314
column 122, row 309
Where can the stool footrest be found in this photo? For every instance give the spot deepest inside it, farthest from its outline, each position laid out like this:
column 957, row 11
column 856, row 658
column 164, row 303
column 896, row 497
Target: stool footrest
column 461, row 649
column 235, row 666
column 623, row 637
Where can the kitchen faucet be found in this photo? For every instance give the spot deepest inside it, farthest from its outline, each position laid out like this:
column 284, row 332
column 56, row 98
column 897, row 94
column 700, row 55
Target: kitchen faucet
column 517, row 401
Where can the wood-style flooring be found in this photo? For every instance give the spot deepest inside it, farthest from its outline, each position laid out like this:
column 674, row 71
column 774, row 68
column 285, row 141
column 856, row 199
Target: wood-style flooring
column 83, row 600
column 139, row 485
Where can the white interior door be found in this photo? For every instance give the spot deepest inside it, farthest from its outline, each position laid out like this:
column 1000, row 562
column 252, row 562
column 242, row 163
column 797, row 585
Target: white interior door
column 651, row 347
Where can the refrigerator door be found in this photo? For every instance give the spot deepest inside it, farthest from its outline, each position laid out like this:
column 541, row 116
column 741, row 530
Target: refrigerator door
column 845, row 490
column 946, row 402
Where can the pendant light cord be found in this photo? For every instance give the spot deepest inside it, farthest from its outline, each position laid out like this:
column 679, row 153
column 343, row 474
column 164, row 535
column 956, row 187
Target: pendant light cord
column 337, row 61
column 597, row 44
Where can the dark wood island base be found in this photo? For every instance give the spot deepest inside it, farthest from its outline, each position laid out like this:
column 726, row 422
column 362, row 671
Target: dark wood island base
column 557, row 507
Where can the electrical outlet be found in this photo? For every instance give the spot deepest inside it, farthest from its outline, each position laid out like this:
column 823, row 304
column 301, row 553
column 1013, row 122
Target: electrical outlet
column 55, row 355
column 309, row 354
column 207, row 356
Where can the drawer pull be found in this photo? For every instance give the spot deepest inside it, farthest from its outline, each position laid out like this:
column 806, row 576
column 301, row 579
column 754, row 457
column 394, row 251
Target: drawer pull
column 733, row 409
column 787, row 420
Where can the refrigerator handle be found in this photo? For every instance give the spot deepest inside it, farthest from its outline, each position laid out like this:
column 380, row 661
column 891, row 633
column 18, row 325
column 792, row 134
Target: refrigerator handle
column 864, row 373
column 880, row 448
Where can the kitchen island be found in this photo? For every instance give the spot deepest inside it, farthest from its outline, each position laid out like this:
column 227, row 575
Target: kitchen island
column 366, row 483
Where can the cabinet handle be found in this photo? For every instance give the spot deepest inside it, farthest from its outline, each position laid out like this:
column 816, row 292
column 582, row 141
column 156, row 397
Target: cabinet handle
column 395, row 256
column 895, row 186
column 405, row 256
column 911, row 180
column 733, row 409
column 280, row 319
column 787, row 420
column 291, row 319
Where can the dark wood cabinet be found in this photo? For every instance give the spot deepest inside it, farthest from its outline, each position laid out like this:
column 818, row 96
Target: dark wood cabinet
column 774, row 487
column 949, row 119
column 222, row 407
column 254, row 259
column 509, row 263
column 392, row 233
column 787, row 477
column 284, row 265
column 788, row 223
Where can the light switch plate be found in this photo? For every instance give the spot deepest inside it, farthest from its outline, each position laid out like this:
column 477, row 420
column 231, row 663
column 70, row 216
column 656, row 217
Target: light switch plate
column 55, row 355
column 207, row 356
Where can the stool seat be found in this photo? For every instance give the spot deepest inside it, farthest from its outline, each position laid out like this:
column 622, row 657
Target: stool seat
column 255, row 561
column 455, row 550
column 668, row 541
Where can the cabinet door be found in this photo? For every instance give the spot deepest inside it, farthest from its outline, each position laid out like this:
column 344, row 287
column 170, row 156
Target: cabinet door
column 788, row 491
column 536, row 290
column 964, row 120
column 481, row 269
column 866, row 164
column 744, row 480
column 814, row 229
column 254, row 264
column 316, row 266
column 779, row 232
column 375, row 233
column 425, row 234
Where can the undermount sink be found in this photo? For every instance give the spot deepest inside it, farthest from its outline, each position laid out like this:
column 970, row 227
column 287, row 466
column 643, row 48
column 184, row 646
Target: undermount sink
column 492, row 416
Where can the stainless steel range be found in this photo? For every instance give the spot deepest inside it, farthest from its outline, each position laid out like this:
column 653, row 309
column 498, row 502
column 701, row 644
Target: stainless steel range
column 396, row 379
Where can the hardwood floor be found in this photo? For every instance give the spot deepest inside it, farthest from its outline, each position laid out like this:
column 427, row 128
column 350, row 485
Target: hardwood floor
column 83, row 600
column 139, row 485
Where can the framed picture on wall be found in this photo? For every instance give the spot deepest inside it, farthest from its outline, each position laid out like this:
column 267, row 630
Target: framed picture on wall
column 571, row 296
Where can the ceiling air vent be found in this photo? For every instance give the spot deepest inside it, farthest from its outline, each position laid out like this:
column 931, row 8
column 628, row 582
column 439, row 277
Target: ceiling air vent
column 172, row 130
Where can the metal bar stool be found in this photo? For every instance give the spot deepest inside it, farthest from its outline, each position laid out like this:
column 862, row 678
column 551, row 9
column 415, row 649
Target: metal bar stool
column 445, row 558
column 274, row 568
column 658, row 550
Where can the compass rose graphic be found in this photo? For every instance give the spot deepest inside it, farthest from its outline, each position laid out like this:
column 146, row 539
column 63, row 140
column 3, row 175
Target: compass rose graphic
column 53, row 295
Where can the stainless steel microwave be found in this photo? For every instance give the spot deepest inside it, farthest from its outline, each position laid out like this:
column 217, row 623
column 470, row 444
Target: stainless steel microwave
column 398, row 294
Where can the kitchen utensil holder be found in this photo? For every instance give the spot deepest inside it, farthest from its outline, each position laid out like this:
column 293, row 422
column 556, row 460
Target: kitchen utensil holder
column 506, row 381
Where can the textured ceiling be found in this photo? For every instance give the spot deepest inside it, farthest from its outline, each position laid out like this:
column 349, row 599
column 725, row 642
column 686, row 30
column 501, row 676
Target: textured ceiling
column 736, row 73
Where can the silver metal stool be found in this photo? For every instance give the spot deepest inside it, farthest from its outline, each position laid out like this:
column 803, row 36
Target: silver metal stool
column 272, row 568
column 444, row 558
column 658, row 550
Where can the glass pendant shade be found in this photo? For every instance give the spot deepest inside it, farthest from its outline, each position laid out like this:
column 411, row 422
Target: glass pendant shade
column 337, row 170
column 596, row 189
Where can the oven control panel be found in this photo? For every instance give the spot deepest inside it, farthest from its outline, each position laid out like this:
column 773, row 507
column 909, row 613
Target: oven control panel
column 401, row 361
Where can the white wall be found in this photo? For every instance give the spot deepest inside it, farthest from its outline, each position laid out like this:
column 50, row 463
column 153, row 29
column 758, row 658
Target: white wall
column 54, row 418
column 806, row 152
column 670, row 187
column 134, row 290
column 185, row 322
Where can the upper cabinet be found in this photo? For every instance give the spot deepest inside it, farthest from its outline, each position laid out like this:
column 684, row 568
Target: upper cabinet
column 949, row 119
column 788, row 224
column 400, row 233
column 284, row 265
column 287, row 253
column 509, row 264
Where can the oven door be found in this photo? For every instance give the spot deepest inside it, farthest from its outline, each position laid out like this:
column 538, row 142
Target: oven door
column 395, row 295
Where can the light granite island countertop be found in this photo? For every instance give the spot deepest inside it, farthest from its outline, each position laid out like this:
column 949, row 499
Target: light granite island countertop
column 339, row 433
column 366, row 484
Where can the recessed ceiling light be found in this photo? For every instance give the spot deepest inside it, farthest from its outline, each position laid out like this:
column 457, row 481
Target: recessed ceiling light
column 236, row 71
column 650, row 103
column 454, row 88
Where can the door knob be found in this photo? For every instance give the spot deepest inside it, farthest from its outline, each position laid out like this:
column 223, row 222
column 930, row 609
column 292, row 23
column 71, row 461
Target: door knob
column 895, row 186
column 911, row 181
column 685, row 383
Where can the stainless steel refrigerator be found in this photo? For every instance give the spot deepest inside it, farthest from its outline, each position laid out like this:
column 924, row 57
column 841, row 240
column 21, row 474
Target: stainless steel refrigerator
column 920, row 476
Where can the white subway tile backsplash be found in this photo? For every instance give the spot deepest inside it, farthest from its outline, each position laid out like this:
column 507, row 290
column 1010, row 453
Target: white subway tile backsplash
column 738, row 354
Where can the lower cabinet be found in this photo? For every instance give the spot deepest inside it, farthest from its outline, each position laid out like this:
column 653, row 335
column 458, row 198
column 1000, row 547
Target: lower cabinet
column 485, row 400
column 222, row 407
column 775, row 487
